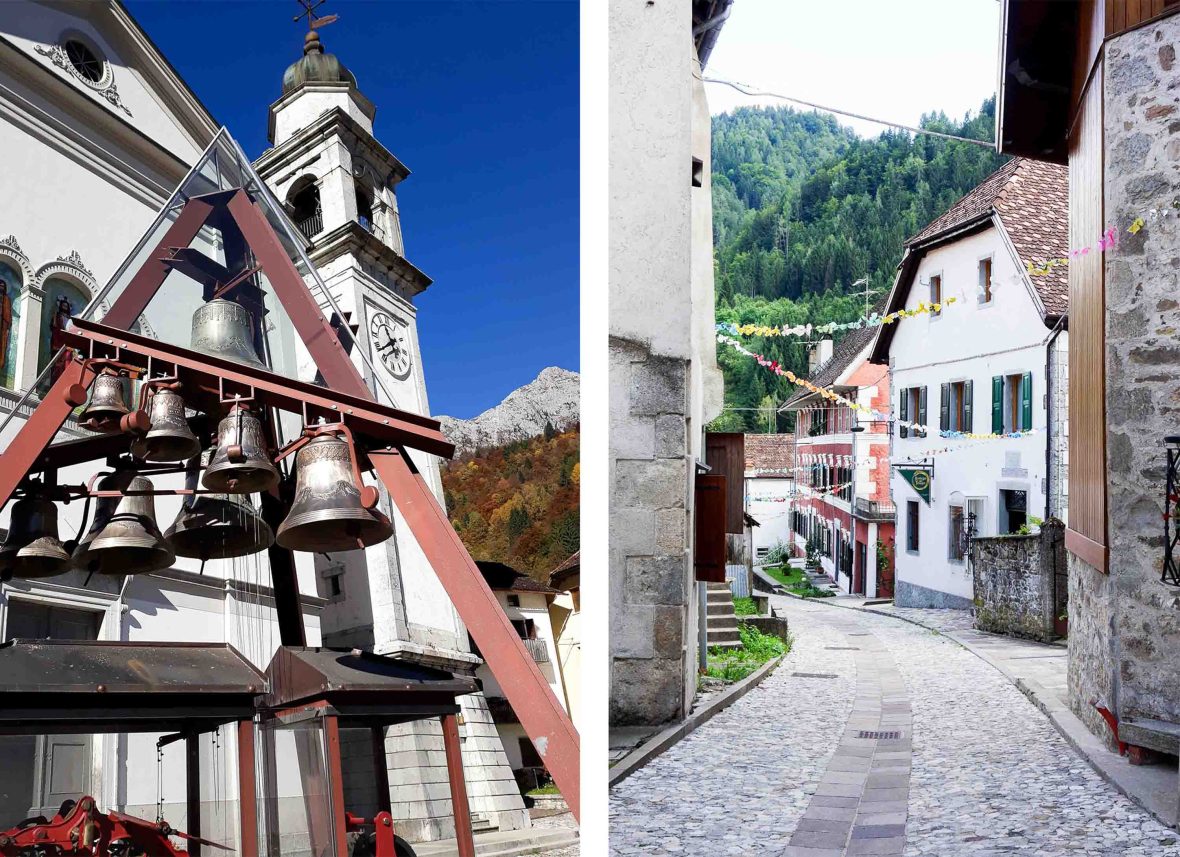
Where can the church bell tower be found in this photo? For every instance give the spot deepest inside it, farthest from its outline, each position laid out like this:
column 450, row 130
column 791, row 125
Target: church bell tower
column 339, row 186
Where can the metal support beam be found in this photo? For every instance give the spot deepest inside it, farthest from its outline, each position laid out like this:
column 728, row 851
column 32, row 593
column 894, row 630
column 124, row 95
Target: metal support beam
column 336, row 781
column 192, row 790
column 546, row 722
column 459, row 806
column 381, row 771
column 247, row 789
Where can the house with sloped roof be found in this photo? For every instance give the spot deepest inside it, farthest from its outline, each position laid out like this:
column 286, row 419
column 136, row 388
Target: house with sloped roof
column 769, row 484
column 841, row 498
column 998, row 329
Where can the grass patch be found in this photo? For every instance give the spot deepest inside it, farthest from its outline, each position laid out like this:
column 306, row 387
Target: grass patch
column 796, row 581
column 547, row 789
column 745, row 607
column 756, row 649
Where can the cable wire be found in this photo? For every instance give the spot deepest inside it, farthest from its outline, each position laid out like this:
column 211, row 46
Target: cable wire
column 744, row 89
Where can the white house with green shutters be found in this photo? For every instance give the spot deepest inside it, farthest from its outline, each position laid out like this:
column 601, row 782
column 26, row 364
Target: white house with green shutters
column 993, row 361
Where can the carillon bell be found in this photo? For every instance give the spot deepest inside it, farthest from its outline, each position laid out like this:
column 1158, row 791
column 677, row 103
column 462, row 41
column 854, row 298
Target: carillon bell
column 106, row 406
column 328, row 513
column 169, row 438
column 224, row 329
column 217, row 526
column 240, row 465
column 32, row 548
column 124, row 538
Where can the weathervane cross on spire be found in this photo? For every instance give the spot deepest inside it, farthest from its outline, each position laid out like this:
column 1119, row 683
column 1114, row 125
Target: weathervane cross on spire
column 309, row 7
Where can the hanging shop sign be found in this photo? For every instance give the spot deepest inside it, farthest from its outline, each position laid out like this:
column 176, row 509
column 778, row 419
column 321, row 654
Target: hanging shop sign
column 919, row 479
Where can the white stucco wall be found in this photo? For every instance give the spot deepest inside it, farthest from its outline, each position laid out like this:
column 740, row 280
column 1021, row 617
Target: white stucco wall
column 773, row 516
column 973, row 342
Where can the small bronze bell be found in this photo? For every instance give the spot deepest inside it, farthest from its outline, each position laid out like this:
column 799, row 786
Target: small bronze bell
column 169, row 438
column 32, row 548
column 124, row 538
column 107, row 405
column 224, row 329
column 240, row 465
column 217, row 526
column 328, row 513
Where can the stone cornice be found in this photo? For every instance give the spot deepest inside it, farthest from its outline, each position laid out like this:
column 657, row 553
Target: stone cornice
column 334, row 121
column 353, row 238
column 365, row 104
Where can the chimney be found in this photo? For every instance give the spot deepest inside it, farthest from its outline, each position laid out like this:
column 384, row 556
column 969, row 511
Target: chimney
column 819, row 354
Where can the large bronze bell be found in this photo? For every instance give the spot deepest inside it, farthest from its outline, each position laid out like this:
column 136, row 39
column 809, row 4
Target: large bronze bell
column 124, row 538
column 224, row 329
column 217, row 526
column 32, row 548
column 328, row 514
column 169, row 438
column 240, row 465
column 106, row 406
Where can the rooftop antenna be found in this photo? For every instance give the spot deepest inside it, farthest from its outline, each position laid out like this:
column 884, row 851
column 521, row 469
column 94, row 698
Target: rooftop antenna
column 309, row 7
column 866, row 293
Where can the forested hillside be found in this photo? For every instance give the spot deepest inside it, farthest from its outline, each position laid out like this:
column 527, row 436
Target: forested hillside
column 518, row 503
column 802, row 208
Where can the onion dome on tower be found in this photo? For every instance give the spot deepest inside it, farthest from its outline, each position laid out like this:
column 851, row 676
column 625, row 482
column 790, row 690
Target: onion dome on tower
column 315, row 66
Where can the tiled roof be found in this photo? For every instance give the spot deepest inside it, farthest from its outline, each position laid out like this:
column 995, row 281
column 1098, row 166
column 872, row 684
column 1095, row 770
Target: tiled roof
column 1031, row 199
column 770, row 452
column 844, row 352
column 505, row 578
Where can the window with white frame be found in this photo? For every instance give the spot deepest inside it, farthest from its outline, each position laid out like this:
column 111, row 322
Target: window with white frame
column 936, row 294
column 1012, row 403
column 955, row 534
column 912, row 408
column 955, row 406
column 985, row 281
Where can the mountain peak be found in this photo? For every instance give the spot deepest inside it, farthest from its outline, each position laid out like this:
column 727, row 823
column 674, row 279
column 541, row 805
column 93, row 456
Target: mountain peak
column 552, row 397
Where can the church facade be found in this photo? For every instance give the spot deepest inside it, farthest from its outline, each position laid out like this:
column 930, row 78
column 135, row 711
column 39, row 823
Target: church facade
column 98, row 130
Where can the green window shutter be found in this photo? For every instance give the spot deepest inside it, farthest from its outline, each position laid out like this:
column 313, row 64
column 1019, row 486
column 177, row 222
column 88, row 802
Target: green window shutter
column 968, row 422
column 997, row 404
column 1026, row 402
column 904, row 410
column 944, row 407
column 922, row 409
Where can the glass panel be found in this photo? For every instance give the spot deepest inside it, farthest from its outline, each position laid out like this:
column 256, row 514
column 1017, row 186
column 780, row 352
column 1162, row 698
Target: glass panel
column 297, row 807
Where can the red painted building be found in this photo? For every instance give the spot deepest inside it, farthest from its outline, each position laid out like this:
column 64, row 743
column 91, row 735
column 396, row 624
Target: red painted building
column 841, row 500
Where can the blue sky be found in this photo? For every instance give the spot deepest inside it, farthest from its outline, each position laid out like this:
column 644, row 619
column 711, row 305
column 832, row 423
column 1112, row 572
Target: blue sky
column 480, row 101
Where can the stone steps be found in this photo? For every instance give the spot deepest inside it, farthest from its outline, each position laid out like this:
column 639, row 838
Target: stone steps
column 721, row 625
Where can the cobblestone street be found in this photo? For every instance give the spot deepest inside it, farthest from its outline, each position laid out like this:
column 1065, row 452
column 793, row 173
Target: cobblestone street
column 877, row 736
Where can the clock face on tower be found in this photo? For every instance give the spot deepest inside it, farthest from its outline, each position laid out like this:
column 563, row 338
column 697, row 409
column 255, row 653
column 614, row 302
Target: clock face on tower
column 388, row 339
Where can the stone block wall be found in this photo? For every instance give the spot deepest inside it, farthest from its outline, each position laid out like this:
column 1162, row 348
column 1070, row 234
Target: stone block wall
column 1058, row 437
column 1015, row 581
column 1125, row 627
column 652, row 607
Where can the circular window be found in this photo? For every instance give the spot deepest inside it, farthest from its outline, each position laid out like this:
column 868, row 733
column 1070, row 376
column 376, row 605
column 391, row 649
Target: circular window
column 84, row 61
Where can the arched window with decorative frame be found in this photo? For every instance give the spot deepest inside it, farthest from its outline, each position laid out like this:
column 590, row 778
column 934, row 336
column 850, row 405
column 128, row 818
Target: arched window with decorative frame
column 11, row 287
column 63, row 298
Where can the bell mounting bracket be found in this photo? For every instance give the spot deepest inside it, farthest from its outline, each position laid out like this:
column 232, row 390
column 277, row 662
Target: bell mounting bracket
column 386, row 431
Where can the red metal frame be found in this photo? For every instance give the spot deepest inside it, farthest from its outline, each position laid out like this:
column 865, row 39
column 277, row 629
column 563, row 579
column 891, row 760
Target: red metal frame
column 546, row 722
column 459, row 805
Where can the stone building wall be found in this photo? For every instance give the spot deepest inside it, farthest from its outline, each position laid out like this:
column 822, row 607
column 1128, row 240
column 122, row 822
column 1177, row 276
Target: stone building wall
column 1015, row 581
column 652, row 612
column 1125, row 628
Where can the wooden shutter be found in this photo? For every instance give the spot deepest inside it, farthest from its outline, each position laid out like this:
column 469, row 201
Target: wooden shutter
column 904, row 410
column 709, row 544
column 998, row 404
column 1026, row 402
column 968, row 417
column 726, row 456
column 922, row 409
column 944, row 407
